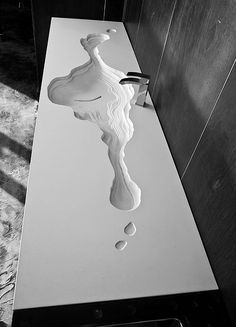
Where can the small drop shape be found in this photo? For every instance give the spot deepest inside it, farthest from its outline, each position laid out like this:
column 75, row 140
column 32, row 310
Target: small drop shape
column 111, row 30
column 130, row 229
column 120, row 245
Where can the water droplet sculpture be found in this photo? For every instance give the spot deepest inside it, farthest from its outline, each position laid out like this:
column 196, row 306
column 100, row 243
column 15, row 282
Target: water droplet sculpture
column 120, row 245
column 130, row 229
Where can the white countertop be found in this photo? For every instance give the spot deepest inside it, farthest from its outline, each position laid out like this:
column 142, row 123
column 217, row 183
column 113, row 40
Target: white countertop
column 70, row 227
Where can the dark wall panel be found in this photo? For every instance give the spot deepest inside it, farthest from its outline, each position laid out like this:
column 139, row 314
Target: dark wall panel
column 114, row 10
column 197, row 112
column 198, row 55
column 17, row 53
column 199, row 52
column 150, row 33
column 210, row 182
column 131, row 18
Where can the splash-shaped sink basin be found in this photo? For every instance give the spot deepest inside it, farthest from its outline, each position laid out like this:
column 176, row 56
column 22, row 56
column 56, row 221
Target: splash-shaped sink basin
column 94, row 93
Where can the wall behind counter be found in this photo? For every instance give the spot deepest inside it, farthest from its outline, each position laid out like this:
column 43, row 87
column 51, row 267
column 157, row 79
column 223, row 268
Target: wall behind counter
column 189, row 48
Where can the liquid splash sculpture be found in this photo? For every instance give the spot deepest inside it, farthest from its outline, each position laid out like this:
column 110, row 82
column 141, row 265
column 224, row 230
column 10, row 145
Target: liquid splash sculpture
column 94, row 93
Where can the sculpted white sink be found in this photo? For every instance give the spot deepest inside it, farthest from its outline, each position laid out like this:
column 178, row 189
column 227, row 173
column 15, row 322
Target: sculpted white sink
column 93, row 92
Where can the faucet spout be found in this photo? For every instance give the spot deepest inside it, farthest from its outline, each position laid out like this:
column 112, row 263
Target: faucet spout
column 131, row 80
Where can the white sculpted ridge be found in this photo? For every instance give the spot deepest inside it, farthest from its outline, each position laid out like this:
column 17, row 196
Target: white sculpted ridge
column 94, row 93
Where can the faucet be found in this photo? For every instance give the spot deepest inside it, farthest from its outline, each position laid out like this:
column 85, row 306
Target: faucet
column 142, row 80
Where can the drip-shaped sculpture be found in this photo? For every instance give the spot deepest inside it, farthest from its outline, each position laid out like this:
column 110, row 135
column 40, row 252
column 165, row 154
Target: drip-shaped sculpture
column 94, row 93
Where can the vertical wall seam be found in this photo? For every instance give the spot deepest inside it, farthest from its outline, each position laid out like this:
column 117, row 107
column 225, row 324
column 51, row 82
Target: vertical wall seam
column 141, row 10
column 207, row 122
column 35, row 46
column 104, row 9
column 124, row 10
column 164, row 46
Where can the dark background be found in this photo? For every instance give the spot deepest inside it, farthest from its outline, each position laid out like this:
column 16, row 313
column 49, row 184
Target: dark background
column 189, row 48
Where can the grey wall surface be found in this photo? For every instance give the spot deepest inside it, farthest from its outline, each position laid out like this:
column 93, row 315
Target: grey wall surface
column 189, row 47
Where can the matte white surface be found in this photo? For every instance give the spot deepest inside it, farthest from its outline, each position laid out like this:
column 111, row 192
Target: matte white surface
column 68, row 252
